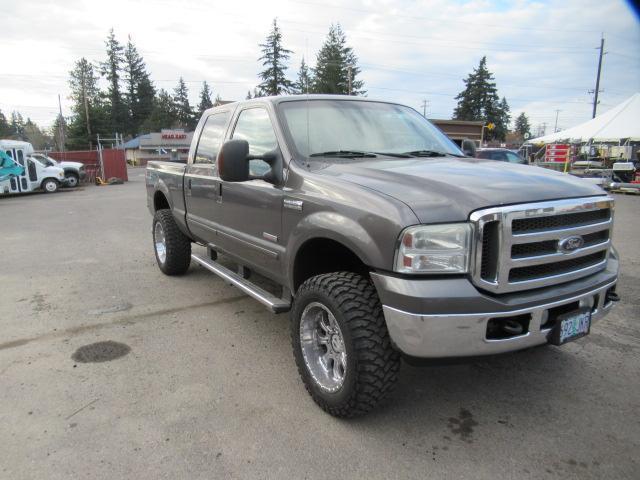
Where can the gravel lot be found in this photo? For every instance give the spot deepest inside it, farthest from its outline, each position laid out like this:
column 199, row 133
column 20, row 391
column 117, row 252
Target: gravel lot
column 206, row 386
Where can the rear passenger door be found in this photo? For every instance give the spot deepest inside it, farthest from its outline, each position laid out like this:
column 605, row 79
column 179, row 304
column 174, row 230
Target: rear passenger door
column 201, row 180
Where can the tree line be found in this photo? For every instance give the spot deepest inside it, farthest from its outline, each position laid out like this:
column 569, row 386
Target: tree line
column 131, row 104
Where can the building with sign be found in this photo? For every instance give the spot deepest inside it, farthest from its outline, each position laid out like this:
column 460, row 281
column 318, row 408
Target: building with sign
column 167, row 145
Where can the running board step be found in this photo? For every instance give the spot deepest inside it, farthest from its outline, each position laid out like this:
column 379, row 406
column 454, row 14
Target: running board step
column 275, row 304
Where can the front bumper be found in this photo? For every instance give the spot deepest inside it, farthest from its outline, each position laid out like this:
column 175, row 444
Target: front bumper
column 440, row 318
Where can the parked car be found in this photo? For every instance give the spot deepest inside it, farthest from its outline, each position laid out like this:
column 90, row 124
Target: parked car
column 74, row 172
column 382, row 239
column 26, row 174
column 501, row 154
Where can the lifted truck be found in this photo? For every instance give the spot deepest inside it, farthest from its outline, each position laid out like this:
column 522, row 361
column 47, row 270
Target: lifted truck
column 383, row 239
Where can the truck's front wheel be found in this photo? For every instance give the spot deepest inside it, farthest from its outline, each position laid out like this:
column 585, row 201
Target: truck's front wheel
column 172, row 247
column 341, row 344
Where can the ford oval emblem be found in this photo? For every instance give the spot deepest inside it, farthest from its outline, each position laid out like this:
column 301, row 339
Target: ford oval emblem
column 571, row 244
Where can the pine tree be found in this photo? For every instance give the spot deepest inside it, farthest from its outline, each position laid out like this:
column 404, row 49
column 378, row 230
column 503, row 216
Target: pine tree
column 274, row 58
column 304, row 82
column 183, row 110
column 16, row 126
column 111, row 69
column 59, row 126
column 522, row 126
column 205, row 98
column 479, row 101
column 140, row 91
column 163, row 114
column 335, row 63
column 248, row 97
column 88, row 110
column 35, row 136
column 502, row 120
column 5, row 128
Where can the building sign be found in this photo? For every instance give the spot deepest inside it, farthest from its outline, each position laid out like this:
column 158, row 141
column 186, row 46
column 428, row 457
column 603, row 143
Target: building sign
column 173, row 135
column 557, row 153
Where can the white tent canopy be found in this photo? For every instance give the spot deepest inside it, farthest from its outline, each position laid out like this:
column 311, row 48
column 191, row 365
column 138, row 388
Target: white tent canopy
column 619, row 123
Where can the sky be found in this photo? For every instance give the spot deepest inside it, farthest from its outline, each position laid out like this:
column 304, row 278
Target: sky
column 543, row 53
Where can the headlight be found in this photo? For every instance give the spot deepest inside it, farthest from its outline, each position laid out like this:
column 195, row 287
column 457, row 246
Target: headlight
column 434, row 249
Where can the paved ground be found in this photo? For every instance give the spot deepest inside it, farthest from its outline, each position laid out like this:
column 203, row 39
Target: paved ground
column 209, row 388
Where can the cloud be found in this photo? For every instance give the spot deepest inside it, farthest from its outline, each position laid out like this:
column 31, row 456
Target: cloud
column 541, row 52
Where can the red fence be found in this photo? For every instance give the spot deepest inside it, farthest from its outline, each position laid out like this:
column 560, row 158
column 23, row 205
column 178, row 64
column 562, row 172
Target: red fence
column 113, row 160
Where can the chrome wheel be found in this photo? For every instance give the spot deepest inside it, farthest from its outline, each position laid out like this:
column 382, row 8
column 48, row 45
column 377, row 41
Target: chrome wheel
column 323, row 347
column 160, row 242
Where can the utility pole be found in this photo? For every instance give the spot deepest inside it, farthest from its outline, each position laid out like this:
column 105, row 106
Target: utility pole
column 349, row 75
column 597, row 90
column 425, row 103
column 61, row 125
column 555, row 127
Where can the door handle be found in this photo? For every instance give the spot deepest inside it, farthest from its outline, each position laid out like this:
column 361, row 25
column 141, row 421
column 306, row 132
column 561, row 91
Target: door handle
column 189, row 184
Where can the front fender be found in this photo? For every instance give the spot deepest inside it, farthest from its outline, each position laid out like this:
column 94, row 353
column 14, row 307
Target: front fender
column 339, row 228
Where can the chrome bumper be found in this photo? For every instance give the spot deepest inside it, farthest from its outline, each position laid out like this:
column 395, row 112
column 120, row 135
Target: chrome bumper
column 463, row 335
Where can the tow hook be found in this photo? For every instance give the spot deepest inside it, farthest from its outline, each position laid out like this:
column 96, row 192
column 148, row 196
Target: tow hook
column 613, row 297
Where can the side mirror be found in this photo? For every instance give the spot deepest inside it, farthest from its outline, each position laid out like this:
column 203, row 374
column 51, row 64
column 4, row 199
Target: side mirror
column 469, row 147
column 233, row 162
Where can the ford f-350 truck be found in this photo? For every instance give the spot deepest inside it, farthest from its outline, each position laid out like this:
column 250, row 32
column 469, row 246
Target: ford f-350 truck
column 382, row 239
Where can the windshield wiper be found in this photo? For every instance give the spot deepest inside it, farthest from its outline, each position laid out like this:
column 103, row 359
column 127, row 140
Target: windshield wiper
column 431, row 153
column 344, row 153
column 393, row 154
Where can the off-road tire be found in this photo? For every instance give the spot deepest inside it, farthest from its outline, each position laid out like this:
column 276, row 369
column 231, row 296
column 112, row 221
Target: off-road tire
column 372, row 363
column 178, row 245
column 49, row 181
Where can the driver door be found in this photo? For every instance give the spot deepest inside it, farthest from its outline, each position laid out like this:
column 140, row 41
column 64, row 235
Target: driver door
column 250, row 215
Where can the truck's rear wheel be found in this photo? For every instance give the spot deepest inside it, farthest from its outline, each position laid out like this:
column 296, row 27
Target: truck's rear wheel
column 171, row 246
column 341, row 344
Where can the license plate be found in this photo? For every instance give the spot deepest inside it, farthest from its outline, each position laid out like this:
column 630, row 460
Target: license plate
column 571, row 326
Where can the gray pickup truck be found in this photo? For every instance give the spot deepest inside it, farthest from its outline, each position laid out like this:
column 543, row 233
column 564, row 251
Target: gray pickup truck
column 382, row 239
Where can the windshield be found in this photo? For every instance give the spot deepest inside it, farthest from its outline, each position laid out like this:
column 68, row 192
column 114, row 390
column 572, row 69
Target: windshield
column 334, row 127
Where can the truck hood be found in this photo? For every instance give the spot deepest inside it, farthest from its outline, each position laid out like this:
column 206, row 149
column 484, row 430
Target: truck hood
column 448, row 189
column 73, row 165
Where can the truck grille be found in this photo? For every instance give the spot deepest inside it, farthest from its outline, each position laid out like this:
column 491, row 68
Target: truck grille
column 521, row 247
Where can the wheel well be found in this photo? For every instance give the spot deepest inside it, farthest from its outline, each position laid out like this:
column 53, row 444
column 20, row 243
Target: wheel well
column 322, row 255
column 70, row 171
column 160, row 202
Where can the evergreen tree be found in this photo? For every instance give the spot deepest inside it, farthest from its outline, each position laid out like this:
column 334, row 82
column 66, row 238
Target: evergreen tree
column 35, row 136
column 479, row 101
column 257, row 93
column 335, row 59
column 89, row 113
column 59, row 126
column 502, row 120
column 248, row 97
column 183, row 111
column 522, row 126
column 163, row 114
column 304, row 82
column 274, row 58
column 16, row 126
column 5, row 128
column 140, row 91
column 111, row 69
column 205, row 98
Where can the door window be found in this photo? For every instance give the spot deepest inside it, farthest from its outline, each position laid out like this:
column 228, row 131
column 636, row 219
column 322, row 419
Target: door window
column 513, row 158
column 33, row 174
column 255, row 127
column 211, row 139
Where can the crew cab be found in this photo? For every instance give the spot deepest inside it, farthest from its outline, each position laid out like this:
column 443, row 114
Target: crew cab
column 382, row 239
